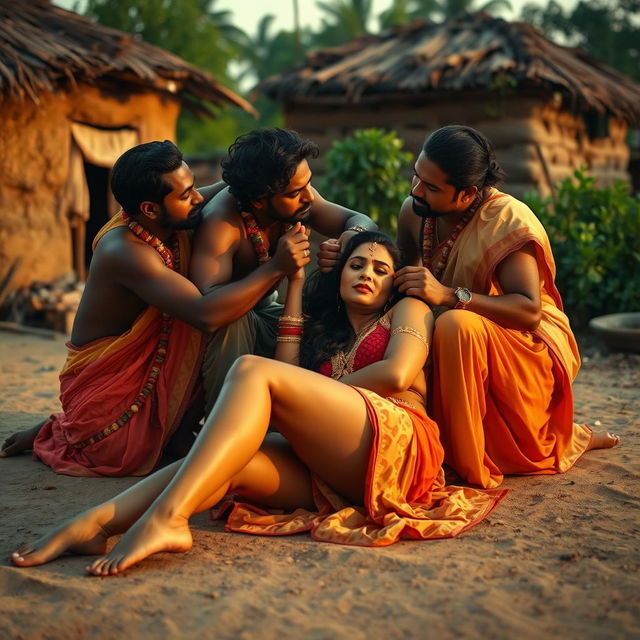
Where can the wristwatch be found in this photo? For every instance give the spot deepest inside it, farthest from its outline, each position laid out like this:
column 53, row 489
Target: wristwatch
column 464, row 297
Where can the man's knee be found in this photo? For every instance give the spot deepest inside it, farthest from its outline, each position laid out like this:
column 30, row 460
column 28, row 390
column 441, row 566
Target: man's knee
column 457, row 325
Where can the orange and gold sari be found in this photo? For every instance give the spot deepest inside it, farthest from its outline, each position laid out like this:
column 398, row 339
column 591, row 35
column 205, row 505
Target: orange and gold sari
column 123, row 396
column 502, row 397
column 405, row 494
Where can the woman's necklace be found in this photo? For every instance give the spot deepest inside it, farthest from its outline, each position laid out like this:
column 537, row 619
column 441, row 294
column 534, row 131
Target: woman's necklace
column 341, row 362
column 430, row 240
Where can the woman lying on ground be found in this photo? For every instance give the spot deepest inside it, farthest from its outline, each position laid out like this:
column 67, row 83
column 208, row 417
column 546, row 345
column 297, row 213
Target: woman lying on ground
column 356, row 459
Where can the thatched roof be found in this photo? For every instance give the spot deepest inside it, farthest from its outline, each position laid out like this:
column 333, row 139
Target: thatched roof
column 471, row 52
column 44, row 48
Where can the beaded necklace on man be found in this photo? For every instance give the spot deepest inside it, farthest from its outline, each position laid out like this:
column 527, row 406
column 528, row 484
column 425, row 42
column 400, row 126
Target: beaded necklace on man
column 257, row 236
column 171, row 257
column 430, row 244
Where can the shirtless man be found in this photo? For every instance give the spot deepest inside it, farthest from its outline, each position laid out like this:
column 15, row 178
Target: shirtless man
column 136, row 343
column 127, row 275
column 269, row 189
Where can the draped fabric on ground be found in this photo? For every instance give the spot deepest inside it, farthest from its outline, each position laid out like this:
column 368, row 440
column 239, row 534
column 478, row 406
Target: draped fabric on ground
column 405, row 493
column 502, row 397
column 100, row 382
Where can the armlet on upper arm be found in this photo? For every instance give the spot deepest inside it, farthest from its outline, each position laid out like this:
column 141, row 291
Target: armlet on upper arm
column 411, row 331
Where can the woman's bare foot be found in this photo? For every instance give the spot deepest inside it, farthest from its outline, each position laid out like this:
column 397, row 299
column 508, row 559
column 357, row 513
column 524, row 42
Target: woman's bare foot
column 82, row 535
column 19, row 441
column 603, row 440
column 148, row 536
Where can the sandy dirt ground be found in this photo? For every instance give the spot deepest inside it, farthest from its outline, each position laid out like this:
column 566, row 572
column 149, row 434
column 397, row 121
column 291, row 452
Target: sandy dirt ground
column 558, row 558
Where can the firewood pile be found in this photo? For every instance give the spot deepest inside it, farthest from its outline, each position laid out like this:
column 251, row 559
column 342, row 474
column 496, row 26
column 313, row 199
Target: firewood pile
column 50, row 305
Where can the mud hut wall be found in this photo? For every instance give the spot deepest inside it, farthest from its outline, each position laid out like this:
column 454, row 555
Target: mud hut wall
column 537, row 141
column 511, row 130
column 154, row 115
column 567, row 144
column 34, row 167
column 33, row 173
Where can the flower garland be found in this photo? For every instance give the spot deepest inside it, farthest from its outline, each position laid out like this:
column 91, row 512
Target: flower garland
column 151, row 240
column 256, row 236
column 171, row 259
column 428, row 248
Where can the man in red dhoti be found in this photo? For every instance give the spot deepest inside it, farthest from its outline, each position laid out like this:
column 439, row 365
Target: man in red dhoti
column 136, row 346
column 503, row 351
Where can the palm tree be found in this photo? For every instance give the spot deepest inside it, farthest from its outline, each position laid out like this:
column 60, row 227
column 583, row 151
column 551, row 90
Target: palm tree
column 445, row 9
column 192, row 29
column 267, row 53
column 397, row 13
column 345, row 20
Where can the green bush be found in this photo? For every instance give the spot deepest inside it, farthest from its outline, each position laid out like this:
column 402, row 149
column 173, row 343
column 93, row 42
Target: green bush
column 365, row 173
column 595, row 235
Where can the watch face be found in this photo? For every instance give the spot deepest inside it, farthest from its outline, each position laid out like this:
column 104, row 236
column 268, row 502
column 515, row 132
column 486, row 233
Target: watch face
column 464, row 295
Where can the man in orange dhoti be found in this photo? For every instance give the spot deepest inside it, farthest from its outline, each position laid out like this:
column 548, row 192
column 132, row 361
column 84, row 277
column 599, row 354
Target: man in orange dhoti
column 135, row 351
column 504, row 354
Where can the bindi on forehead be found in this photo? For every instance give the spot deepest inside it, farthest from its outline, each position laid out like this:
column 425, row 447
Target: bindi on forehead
column 374, row 253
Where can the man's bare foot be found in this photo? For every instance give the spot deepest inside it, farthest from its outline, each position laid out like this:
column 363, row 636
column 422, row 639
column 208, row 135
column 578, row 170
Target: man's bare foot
column 603, row 440
column 82, row 535
column 148, row 536
column 19, row 441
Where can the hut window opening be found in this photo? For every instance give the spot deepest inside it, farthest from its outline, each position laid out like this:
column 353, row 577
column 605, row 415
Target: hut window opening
column 597, row 126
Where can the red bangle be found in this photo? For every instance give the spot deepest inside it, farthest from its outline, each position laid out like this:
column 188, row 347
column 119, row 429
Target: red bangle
column 290, row 331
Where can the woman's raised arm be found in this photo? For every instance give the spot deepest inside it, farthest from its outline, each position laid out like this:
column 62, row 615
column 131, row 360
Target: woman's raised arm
column 291, row 321
column 406, row 354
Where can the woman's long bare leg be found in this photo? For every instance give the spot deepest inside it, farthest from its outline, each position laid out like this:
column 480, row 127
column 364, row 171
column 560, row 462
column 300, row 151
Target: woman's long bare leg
column 274, row 477
column 326, row 423
column 88, row 532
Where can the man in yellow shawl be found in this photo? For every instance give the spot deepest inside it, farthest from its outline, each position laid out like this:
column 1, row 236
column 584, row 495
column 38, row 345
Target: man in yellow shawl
column 504, row 355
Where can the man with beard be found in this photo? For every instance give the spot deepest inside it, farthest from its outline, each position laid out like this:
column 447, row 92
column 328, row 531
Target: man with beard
column 266, row 203
column 503, row 351
column 135, row 353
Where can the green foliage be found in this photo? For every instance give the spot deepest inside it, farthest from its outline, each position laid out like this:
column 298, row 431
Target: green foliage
column 595, row 234
column 404, row 11
column 607, row 29
column 198, row 33
column 345, row 20
column 265, row 54
column 364, row 172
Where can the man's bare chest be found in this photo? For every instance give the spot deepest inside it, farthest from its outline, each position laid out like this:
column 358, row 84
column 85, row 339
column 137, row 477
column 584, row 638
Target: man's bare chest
column 246, row 260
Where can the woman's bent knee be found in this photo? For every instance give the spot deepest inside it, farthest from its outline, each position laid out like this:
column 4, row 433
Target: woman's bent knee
column 247, row 365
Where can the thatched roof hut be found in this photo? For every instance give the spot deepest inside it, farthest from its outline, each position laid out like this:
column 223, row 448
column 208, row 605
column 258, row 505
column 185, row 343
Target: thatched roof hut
column 547, row 108
column 73, row 96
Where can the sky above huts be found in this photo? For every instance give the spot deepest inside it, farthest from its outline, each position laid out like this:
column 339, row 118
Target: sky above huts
column 247, row 13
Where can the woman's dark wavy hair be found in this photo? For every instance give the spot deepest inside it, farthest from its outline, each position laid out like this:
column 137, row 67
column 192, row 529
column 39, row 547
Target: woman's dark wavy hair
column 465, row 155
column 327, row 329
column 261, row 163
